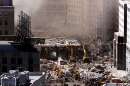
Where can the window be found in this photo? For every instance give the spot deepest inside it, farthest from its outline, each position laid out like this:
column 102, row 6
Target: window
column 30, row 68
column 4, row 68
column 65, row 84
column 0, row 22
column 76, row 85
column 13, row 67
column 6, row 32
column 13, row 60
column 4, row 60
column 30, row 60
column 19, row 61
column 6, row 22
column 30, row 63
column 0, row 32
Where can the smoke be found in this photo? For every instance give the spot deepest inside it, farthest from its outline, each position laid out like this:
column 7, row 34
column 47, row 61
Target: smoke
column 51, row 19
column 28, row 6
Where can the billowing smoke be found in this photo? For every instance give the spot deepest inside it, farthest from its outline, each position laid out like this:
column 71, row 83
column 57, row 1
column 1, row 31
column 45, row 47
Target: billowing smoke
column 53, row 18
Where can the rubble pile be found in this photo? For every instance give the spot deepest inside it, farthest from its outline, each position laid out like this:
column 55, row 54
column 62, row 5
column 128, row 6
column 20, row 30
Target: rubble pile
column 62, row 71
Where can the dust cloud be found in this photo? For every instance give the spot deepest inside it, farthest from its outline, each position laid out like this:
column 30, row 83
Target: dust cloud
column 54, row 18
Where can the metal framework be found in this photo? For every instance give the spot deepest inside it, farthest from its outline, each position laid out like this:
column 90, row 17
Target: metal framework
column 24, row 27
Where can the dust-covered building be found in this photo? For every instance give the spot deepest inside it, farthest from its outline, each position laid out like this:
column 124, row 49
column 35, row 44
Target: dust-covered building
column 63, row 48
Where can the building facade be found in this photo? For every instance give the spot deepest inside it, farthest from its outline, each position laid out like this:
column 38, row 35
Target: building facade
column 74, row 11
column 128, row 38
column 122, row 37
column 6, row 17
column 16, row 56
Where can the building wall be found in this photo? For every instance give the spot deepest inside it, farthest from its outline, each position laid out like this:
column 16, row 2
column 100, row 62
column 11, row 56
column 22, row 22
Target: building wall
column 120, row 41
column 124, row 30
column 127, row 59
column 128, row 26
column 128, row 40
column 121, row 18
column 121, row 55
column 74, row 9
column 6, row 20
column 13, row 60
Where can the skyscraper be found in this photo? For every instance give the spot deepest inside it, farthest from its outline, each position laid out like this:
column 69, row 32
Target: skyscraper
column 6, row 17
column 74, row 11
column 101, row 18
column 121, row 43
column 77, row 18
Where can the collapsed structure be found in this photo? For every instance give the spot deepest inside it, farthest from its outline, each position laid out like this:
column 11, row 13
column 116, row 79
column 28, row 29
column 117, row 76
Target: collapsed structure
column 64, row 48
column 70, row 74
column 19, row 53
column 24, row 78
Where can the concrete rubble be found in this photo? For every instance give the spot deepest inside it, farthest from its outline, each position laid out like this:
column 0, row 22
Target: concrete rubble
column 95, row 71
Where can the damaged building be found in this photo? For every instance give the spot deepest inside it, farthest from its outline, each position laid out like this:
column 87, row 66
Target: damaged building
column 60, row 47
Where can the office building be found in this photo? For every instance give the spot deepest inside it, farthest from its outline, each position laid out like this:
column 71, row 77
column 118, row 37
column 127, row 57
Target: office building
column 128, row 38
column 77, row 18
column 74, row 12
column 18, row 56
column 6, row 17
column 121, row 48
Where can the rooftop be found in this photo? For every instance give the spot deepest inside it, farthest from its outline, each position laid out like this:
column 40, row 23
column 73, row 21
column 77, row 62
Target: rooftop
column 10, row 46
column 61, row 42
column 33, row 76
column 6, row 2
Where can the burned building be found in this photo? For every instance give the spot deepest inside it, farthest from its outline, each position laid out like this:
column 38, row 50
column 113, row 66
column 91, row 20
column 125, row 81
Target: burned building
column 60, row 47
